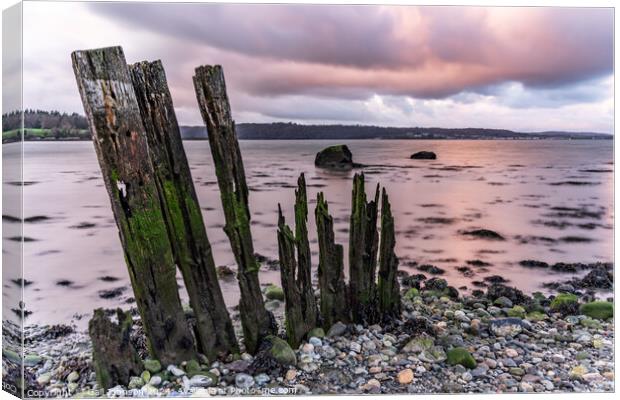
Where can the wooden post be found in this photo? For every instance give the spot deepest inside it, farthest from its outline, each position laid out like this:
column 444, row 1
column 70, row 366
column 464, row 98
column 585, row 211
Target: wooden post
column 215, row 109
column 304, row 264
column 389, row 290
column 294, row 319
column 214, row 330
column 296, row 275
column 114, row 357
column 334, row 305
column 363, row 241
column 120, row 142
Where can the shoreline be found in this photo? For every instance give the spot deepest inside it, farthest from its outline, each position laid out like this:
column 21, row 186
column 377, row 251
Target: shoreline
column 518, row 344
column 579, row 139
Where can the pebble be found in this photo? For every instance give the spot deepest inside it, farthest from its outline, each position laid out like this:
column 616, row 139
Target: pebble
column 405, row 376
column 558, row 358
column 372, row 386
column 201, row 381
column 512, row 353
column 244, row 381
column 44, row 378
column 155, row 381
column 176, row 371
column 337, row 329
column 73, row 376
column 290, row 374
column 262, row 379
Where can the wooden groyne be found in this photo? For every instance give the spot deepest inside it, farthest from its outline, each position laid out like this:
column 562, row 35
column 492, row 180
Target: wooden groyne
column 156, row 209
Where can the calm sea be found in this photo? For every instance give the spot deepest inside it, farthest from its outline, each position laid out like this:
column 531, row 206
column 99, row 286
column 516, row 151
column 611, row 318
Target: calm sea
column 551, row 200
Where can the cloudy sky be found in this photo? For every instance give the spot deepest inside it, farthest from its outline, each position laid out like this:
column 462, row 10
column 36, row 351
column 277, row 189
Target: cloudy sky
column 528, row 69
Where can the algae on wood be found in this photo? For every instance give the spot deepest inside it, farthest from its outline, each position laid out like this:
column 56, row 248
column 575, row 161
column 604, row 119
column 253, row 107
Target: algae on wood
column 114, row 358
column 296, row 275
column 214, row 330
column 363, row 240
column 388, row 287
column 120, row 143
column 333, row 301
column 215, row 109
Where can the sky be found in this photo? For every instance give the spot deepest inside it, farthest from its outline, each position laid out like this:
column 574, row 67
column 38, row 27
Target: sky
column 525, row 69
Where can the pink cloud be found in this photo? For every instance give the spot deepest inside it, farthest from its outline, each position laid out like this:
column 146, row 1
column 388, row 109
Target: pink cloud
column 351, row 51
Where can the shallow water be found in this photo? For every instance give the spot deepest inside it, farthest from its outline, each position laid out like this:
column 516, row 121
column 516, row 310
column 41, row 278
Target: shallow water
column 534, row 193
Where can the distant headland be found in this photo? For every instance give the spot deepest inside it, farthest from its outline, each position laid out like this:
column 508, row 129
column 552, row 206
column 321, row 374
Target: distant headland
column 56, row 126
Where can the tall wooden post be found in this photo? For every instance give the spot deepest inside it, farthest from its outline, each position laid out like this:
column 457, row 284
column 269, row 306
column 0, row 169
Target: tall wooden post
column 214, row 330
column 304, row 263
column 363, row 242
column 389, row 290
column 333, row 304
column 296, row 275
column 120, row 142
column 215, row 109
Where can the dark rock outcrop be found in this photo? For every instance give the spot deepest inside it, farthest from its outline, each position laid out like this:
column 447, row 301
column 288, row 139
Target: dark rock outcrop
column 424, row 155
column 598, row 278
column 498, row 290
column 484, row 234
column 335, row 157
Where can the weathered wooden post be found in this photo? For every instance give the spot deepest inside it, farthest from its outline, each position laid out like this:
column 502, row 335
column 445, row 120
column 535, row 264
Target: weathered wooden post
column 363, row 241
column 215, row 109
column 389, row 290
column 300, row 306
column 114, row 357
column 120, row 142
column 334, row 305
column 304, row 274
column 214, row 330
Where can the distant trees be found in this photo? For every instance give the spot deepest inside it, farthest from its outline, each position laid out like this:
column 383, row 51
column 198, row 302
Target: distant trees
column 38, row 119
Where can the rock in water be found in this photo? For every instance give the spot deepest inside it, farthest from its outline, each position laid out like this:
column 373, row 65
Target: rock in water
column 424, row 155
column 335, row 157
column 598, row 278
